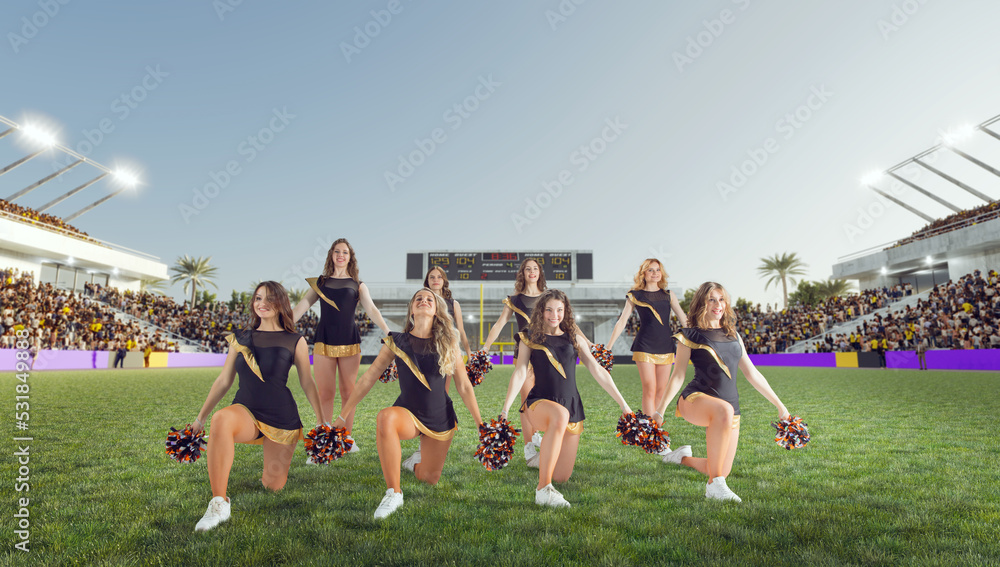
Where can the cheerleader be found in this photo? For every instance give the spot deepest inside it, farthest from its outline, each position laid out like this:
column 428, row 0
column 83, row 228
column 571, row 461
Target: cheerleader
column 552, row 344
column 653, row 348
column 263, row 411
column 437, row 281
column 528, row 285
column 426, row 354
column 337, row 348
column 711, row 400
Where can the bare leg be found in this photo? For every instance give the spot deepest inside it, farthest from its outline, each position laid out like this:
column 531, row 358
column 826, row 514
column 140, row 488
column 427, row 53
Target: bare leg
column 432, row 455
column 552, row 419
column 647, row 375
column 721, row 438
column 230, row 425
column 348, row 374
column 527, row 428
column 567, row 458
column 392, row 425
column 662, row 375
column 277, row 461
column 325, row 369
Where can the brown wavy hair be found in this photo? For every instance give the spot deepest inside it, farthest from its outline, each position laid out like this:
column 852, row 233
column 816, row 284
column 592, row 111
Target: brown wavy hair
column 277, row 298
column 698, row 312
column 520, row 283
column 445, row 292
column 536, row 327
column 640, row 276
column 443, row 333
column 352, row 264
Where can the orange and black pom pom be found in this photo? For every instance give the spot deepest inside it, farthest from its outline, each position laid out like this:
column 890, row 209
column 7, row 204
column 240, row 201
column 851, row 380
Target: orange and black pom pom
column 479, row 366
column 791, row 433
column 184, row 446
column 325, row 443
column 390, row 374
column 496, row 443
column 603, row 356
column 640, row 430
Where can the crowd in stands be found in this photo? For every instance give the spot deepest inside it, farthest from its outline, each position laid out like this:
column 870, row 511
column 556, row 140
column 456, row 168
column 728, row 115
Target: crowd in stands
column 956, row 221
column 961, row 314
column 61, row 319
column 32, row 216
column 769, row 330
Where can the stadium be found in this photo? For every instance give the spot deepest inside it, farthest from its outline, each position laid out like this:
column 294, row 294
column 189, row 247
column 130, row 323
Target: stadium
column 122, row 304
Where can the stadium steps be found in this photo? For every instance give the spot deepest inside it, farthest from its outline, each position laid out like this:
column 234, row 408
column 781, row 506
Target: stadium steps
column 184, row 344
column 849, row 327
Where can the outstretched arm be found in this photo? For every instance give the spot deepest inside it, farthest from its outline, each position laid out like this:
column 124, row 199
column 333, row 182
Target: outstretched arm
column 620, row 325
column 306, row 379
column 365, row 383
column 219, row 388
column 496, row 328
column 518, row 377
column 464, row 387
column 601, row 375
column 304, row 304
column 373, row 313
column 675, row 306
column 676, row 378
column 760, row 384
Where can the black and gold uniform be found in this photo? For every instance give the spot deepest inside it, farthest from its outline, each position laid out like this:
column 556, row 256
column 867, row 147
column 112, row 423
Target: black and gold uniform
column 522, row 306
column 262, row 366
column 554, row 361
column 421, row 386
column 337, row 334
column 716, row 358
column 653, row 342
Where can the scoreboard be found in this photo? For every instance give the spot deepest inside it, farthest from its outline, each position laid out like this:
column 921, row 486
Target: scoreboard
column 498, row 266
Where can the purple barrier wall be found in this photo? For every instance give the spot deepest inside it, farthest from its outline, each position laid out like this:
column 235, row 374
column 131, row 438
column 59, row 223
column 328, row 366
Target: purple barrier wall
column 902, row 359
column 815, row 359
column 984, row 359
column 71, row 360
column 195, row 359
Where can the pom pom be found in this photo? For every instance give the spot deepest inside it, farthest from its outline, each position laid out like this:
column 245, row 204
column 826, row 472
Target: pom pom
column 325, row 443
column 603, row 356
column 791, row 433
column 496, row 443
column 479, row 366
column 390, row 374
column 642, row 431
column 184, row 446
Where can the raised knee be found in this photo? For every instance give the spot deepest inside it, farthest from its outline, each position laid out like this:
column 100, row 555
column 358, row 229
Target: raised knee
column 431, row 478
column 561, row 477
column 274, row 484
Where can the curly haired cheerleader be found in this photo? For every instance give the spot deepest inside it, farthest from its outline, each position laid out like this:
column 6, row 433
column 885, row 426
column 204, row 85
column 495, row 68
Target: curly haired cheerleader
column 711, row 400
column 552, row 344
column 337, row 348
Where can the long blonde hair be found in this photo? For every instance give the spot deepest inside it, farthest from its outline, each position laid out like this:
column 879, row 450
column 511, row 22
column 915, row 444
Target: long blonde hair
column 443, row 333
column 640, row 276
column 698, row 311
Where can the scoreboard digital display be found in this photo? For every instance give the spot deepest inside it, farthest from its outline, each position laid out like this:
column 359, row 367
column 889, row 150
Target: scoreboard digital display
column 500, row 266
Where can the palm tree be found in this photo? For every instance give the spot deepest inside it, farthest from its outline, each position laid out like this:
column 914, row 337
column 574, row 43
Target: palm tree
column 833, row 288
column 781, row 268
column 194, row 272
column 295, row 295
column 153, row 285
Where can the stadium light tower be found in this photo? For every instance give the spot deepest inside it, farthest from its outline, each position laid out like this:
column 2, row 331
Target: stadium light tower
column 872, row 178
column 70, row 193
column 127, row 181
column 36, row 137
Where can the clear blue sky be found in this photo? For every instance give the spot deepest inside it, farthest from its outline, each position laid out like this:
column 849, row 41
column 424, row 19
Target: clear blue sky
column 312, row 126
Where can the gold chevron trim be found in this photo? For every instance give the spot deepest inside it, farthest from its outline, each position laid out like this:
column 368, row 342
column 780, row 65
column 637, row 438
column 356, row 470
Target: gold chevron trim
column 693, row 345
column 406, row 359
column 312, row 284
column 632, row 298
column 548, row 353
column 247, row 355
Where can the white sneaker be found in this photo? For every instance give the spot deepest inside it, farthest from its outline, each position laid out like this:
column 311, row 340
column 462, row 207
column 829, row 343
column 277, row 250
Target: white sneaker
column 534, row 460
column 410, row 464
column 717, row 490
column 674, row 457
column 530, row 450
column 390, row 503
column 310, row 461
column 549, row 496
column 354, row 447
column 537, row 439
column 218, row 512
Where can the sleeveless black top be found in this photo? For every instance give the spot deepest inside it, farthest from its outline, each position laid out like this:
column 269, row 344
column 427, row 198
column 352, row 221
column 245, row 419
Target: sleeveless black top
column 338, row 300
column 263, row 365
column 716, row 359
column 554, row 362
column 653, row 307
column 522, row 306
column 421, row 384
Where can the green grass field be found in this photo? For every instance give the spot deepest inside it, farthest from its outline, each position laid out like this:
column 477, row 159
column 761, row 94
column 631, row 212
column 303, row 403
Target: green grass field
column 902, row 470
